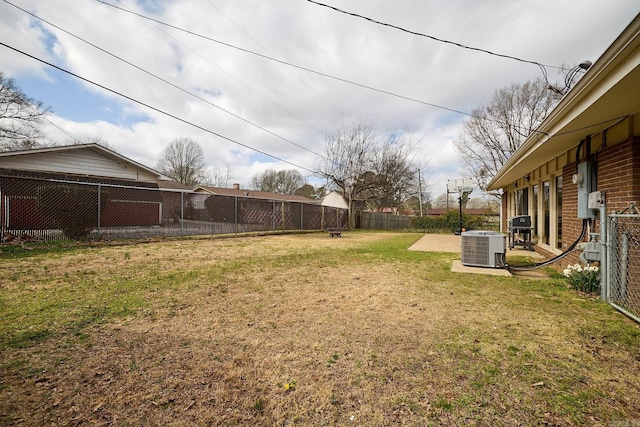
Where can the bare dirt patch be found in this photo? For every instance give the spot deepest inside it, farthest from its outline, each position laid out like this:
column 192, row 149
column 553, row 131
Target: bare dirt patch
column 305, row 330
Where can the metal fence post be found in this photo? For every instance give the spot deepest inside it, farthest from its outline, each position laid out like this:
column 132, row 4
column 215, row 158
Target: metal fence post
column 623, row 264
column 301, row 216
column 182, row 213
column 612, row 255
column 99, row 195
column 604, row 284
column 282, row 218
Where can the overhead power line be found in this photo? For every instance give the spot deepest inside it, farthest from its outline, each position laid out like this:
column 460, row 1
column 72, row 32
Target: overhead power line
column 164, row 80
column 267, row 50
column 415, row 33
column 158, row 110
column 465, row 113
column 270, row 58
column 262, row 95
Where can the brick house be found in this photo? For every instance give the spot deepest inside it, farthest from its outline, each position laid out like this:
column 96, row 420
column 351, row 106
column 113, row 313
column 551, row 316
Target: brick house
column 594, row 131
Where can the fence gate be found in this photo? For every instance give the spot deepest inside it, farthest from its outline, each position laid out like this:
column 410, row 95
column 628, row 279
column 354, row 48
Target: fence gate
column 623, row 262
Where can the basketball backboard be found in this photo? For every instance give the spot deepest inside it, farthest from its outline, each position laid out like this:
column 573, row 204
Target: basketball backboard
column 459, row 185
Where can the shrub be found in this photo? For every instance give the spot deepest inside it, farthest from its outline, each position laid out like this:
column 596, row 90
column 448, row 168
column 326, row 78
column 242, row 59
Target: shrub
column 585, row 279
column 428, row 223
column 74, row 209
column 450, row 222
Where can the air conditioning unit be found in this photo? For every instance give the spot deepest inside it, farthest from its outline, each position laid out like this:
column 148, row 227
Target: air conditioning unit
column 483, row 248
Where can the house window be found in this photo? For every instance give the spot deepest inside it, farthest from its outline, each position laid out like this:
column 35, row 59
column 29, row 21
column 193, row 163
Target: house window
column 559, row 210
column 546, row 210
column 522, row 201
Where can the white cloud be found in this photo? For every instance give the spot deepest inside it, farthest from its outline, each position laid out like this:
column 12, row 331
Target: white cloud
column 296, row 105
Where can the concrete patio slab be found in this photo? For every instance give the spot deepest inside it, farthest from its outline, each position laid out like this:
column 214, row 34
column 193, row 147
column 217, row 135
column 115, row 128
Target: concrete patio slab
column 452, row 243
column 458, row 267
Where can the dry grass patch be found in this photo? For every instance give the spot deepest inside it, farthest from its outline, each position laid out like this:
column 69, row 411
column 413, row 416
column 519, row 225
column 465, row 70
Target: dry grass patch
column 303, row 330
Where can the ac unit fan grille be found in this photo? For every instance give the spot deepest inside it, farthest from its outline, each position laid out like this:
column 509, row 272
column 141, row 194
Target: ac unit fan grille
column 475, row 250
column 483, row 248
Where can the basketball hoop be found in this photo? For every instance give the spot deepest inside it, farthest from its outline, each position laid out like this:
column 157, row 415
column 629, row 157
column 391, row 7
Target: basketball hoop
column 460, row 186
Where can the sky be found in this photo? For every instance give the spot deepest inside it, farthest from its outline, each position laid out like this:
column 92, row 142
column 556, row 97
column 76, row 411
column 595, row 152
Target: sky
column 203, row 77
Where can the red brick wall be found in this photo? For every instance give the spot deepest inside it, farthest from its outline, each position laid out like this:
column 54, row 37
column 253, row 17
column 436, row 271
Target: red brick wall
column 618, row 174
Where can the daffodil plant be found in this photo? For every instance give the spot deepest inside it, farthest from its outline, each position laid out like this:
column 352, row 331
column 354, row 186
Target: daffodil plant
column 585, row 279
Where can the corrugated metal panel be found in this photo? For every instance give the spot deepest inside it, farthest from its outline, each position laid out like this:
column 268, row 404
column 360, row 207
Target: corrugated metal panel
column 79, row 162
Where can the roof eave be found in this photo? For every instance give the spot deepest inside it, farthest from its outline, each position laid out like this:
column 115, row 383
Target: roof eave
column 579, row 98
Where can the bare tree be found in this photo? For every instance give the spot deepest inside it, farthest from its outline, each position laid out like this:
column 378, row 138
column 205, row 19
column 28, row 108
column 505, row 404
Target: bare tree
column 20, row 117
column 445, row 200
column 348, row 163
column 92, row 140
column 219, row 177
column 496, row 130
column 183, row 161
column 489, row 204
column 311, row 192
column 279, row 182
column 397, row 172
column 367, row 168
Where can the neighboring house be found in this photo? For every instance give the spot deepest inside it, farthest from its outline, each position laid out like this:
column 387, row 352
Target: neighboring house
column 174, row 198
column 252, row 194
column 335, row 210
column 128, row 190
column 334, row 200
column 82, row 160
column 592, row 137
column 272, row 210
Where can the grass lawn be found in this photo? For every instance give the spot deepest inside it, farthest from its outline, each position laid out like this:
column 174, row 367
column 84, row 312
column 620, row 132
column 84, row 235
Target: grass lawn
column 302, row 330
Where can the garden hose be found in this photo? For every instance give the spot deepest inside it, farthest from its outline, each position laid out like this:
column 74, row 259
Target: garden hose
column 552, row 260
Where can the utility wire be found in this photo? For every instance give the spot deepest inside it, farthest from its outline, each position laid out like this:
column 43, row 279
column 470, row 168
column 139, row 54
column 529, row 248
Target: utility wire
column 69, row 134
column 542, row 67
column 230, row 75
column 164, row 80
column 329, row 76
column 270, row 58
column 45, row 118
column 267, row 50
column 156, row 109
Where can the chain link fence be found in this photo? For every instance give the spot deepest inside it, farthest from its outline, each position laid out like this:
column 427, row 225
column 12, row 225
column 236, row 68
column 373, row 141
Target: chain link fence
column 383, row 221
column 623, row 266
column 51, row 209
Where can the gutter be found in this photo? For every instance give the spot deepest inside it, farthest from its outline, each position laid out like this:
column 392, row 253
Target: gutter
column 597, row 74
